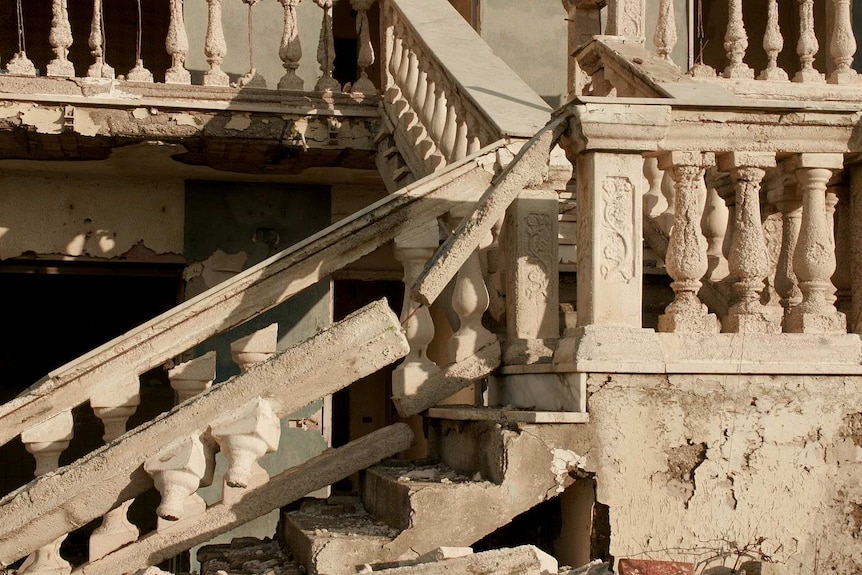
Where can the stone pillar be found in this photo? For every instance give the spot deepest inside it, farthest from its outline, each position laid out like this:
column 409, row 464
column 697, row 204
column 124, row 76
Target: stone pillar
column 748, row 259
column 736, row 43
column 714, row 225
column 773, row 44
column 584, row 22
column 46, row 441
column 686, row 257
column 838, row 196
column 814, row 257
column 610, row 239
column 99, row 69
column 177, row 46
column 60, row 39
column 807, row 46
column 532, row 285
column 365, row 57
column 627, row 18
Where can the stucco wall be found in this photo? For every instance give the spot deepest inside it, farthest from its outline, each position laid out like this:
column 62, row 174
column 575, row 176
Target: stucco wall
column 696, row 467
column 97, row 217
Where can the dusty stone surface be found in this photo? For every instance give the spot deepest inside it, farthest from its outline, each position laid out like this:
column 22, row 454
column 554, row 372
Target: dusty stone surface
column 526, row 560
column 246, row 556
column 648, row 567
column 735, row 449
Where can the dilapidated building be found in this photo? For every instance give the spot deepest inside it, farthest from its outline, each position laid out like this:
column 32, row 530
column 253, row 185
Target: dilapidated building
column 616, row 241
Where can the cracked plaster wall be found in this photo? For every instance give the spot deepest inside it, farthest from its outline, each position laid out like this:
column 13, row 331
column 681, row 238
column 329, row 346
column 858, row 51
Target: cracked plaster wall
column 97, row 217
column 695, row 466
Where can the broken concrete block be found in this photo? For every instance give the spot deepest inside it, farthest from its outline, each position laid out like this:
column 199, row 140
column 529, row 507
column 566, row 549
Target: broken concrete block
column 649, row 567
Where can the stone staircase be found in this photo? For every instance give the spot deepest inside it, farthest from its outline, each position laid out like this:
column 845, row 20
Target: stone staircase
column 483, row 476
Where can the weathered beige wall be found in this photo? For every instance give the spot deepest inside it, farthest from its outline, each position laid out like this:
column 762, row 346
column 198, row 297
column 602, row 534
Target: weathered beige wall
column 97, row 217
column 531, row 38
column 693, row 467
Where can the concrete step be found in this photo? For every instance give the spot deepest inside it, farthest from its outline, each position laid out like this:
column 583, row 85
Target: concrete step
column 332, row 537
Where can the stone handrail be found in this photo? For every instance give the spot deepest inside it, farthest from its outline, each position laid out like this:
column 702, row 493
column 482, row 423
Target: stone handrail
column 446, row 93
column 215, row 47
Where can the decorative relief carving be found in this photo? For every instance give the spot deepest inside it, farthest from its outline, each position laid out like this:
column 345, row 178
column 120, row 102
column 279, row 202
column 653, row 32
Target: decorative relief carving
column 618, row 256
column 633, row 12
column 539, row 251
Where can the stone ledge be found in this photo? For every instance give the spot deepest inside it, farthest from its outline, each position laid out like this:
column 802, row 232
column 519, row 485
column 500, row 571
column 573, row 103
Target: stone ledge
column 624, row 350
column 501, row 415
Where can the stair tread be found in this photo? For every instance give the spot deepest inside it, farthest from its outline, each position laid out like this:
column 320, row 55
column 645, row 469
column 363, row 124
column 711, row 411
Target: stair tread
column 425, row 474
column 324, row 518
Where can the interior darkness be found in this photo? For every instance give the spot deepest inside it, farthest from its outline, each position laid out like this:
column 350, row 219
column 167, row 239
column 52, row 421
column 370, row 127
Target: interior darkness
column 52, row 318
column 121, row 25
column 539, row 526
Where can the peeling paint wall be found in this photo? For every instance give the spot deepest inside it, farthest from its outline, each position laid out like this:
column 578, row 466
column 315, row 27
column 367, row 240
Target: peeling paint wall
column 97, row 217
column 698, row 468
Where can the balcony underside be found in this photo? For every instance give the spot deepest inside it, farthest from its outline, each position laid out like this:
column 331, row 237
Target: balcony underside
column 228, row 129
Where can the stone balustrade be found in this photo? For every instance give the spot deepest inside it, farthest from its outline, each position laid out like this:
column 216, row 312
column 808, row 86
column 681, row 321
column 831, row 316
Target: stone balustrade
column 215, row 48
column 432, row 95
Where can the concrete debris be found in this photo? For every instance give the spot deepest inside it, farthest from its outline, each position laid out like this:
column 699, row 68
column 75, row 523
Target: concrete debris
column 246, row 556
column 596, row 567
column 525, row 560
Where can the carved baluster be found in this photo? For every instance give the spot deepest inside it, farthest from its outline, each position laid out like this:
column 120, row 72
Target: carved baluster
column 139, row 73
column 714, row 226
column 438, row 123
column 290, row 50
column 99, row 69
column 409, row 118
column 789, row 203
column 366, row 50
column 773, row 44
column 194, row 376
column 60, row 39
column 326, row 50
column 814, row 257
column 840, row 231
column 413, row 250
column 461, row 142
column 665, row 31
column 470, row 299
column 251, row 78
column 255, row 348
column 177, row 471
column 474, row 142
column 736, row 43
column 114, row 404
column 686, row 258
column 393, row 88
column 215, row 47
column 807, row 46
column 427, row 147
column 46, row 441
column 748, row 258
column 177, row 46
column 450, row 132
column 244, row 437
column 843, row 45
column 417, row 128
column 20, row 64
column 655, row 203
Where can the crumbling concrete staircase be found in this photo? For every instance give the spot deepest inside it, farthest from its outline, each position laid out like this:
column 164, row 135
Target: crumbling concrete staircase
column 484, row 476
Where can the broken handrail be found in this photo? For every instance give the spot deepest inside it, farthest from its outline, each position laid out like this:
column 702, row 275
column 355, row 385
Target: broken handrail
column 60, row 502
column 246, row 295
